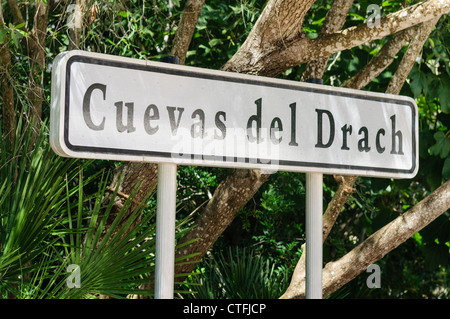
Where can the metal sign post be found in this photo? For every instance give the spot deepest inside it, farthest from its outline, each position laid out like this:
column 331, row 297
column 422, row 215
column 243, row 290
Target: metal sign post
column 165, row 230
column 314, row 190
column 314, row 221
column 165, row 224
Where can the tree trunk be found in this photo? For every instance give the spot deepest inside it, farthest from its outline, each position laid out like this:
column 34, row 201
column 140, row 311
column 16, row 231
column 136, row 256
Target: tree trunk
column 141, row 175
column 6, row 87
column 186, row 28
column 229, row 197
column 36, row 53
column 75, row 25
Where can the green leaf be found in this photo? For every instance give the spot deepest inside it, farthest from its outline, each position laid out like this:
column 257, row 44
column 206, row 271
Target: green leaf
column 20, row 25
column 215, row 42
column 444, row 93
column 356, row 16
column 442, row 146
column 16, row 37
column 124, row 14
column 432, row 86
column 418, row 238
column 3, row 34
column 418, row 81
column 426, row 140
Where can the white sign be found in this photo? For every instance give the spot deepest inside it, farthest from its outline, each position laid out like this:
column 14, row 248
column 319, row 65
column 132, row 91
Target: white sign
column 109, row 107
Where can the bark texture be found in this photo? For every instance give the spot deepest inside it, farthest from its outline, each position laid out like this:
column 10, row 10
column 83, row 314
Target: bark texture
column 36, row 53
column 334, row 21
column 35, row 43
column 381, row 60
column 17, row 15
column 76, row 24
column 7, row 93
column 414, row 48
column 229, row 197
column 278, row 27
column 186, row 28
column 338, row 273
column 271, row 60
column 140, row 176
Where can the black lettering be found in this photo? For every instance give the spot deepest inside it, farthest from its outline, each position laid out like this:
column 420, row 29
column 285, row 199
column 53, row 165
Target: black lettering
column 119, row 117
column 221, row 126
column 293, row 107
column 363, row 144
column 319, row 129
column 255, row 118
column 174, row 125
column 198, row 129
column 396, row 135
column 345, row 130
column 154, row 115
column 87, row 106
column 380, row 149
column 275, row 127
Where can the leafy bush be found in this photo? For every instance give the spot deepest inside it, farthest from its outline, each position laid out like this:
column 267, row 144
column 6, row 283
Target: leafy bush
column 48, row 222
column 239, row 273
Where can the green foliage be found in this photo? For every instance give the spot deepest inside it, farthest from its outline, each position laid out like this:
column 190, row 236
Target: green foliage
column 239, row 274
column 278, row 223
column 222, row 27
column 48, row 222
column 195, row 186
column 33, row 184
column 12, row 32
column 113, row 261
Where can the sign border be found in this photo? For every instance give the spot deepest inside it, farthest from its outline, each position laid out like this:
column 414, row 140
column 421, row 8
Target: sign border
column 69, row 58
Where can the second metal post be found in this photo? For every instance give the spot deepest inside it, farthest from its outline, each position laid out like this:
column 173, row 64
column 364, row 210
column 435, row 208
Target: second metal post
column 165, row 230
column 314, row 211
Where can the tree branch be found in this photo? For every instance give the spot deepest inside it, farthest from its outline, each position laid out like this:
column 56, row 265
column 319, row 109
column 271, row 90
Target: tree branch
column 75, row 26
column 186, row 28
column 334, row 21
column 17, row 15
column 36, row 48
column 302, row 49
column 386, row 239
column 336, row 274
column 381, row 60
column 408, row 60
column 269, row 36
column 229, row 197
column 392, row 23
